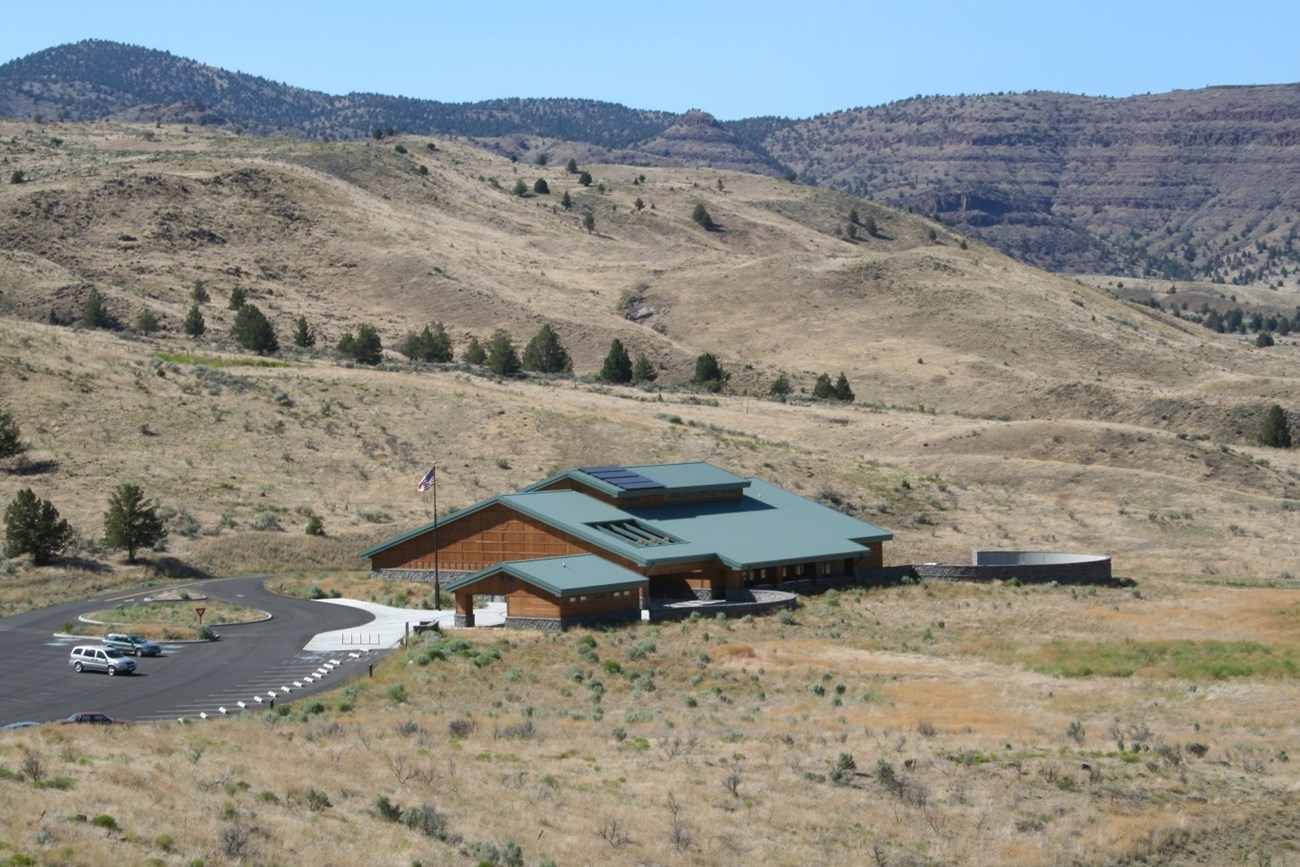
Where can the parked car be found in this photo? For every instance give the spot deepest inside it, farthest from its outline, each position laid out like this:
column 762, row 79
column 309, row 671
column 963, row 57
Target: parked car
column 18, row 725
column 94, row 657
column 92, row 717
column 129, row 642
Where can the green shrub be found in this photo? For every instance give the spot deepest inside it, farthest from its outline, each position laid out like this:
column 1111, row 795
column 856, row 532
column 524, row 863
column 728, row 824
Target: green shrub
column 105, row 821
column 426, row 820
column 386, row 809
column 397, row 693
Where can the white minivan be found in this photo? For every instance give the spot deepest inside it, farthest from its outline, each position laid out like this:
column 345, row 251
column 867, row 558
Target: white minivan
column 91, row 657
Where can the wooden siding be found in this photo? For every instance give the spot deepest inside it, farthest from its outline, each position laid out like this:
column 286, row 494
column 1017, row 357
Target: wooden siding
column 476, row 541
column 525, row 600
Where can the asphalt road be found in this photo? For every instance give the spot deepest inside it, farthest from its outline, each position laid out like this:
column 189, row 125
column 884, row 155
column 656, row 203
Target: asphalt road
column 189, row 679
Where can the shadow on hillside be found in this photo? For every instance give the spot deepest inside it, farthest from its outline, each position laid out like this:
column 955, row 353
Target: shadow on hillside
column 174, row 567
column 33, row 468
column 84, row 564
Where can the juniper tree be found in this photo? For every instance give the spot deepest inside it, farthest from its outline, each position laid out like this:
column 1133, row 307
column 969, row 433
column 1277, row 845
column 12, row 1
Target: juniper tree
column 132, row 522
column 33, row 526
column 545, row 354
column 93, row 312
column 366, row 348
column 146, row 322
column 780, row 386
column 474, row 352
column 11, row 443
column 303, row 336
column 194, row 325
column 253, row 331
column 566, row 200
column 709, row 373
column 502, row 359
column 1276, row 430
column 541, row 187
column 842, row 390
column 643, row 370
column 823, row 389
column 618, row 366
column 701, row 216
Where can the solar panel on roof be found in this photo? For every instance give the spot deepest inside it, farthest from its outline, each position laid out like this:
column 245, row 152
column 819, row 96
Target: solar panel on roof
column 622, row 477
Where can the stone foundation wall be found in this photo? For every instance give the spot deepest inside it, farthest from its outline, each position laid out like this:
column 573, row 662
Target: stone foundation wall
column 542, row 624
column 424, row 576
column 885, row 575
column 1087, row 569
column 559, row 624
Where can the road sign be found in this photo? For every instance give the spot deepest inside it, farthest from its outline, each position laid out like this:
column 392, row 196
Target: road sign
column 200, row 609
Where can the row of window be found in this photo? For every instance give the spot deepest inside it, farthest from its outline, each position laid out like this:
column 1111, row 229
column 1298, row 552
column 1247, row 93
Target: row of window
column 789, row 573
column 610, row 595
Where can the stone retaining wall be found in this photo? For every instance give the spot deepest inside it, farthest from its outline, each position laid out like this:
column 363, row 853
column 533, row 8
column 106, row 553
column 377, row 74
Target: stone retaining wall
column 423, row 576
column 1027, row 567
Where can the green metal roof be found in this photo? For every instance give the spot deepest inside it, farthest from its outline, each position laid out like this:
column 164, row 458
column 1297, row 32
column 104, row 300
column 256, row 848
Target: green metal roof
column 693, row 477
column 562, row 576
column 766, row 526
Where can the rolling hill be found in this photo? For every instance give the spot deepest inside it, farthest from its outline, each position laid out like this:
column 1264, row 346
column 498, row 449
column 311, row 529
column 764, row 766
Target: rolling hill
column 1186, row 185
column 970, row 370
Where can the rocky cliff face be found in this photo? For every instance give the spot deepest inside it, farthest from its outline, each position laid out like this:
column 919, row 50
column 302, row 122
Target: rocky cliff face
column 1191, row 184
column 697, row 139
column 1178, row 184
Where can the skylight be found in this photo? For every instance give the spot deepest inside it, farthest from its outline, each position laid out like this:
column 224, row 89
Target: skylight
column 635, row 533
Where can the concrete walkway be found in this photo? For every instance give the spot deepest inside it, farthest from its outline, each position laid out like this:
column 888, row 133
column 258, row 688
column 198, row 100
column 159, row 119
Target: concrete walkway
column 390, row 625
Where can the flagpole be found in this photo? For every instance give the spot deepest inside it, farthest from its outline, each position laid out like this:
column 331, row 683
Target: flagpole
column 437, row 583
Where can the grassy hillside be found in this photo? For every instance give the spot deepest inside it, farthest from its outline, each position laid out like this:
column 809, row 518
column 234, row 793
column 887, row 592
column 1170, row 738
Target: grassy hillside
column 997, row 407
column 970, row 370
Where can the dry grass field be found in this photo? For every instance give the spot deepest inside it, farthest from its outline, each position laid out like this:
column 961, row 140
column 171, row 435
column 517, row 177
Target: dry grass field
column 908, row 725
column 997, row 407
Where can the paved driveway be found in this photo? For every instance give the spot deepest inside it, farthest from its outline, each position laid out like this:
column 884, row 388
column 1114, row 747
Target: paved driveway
column 305, row 648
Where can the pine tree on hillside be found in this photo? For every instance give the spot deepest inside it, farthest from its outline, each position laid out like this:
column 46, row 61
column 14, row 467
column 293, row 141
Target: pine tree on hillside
column 194, row 325
column 643, row 370
column 366, row 348
column 33, row 526
column 303, row 336
column 11, row 443
column 474, row 352
column 545, row 354
column 618, row 366
column 253, row 331
column 842, row 390
column 1276, row 430
column 502, row 359
column 132, row 522
column 709, row 374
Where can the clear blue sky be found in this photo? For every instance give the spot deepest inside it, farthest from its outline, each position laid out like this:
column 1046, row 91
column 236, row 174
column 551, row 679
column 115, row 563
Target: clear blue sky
column 732, row 59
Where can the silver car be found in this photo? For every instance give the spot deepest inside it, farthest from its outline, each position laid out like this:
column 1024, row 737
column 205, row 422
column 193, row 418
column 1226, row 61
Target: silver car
column 92, row 657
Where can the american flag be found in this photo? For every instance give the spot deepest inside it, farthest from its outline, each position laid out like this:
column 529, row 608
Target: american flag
column 430, row 479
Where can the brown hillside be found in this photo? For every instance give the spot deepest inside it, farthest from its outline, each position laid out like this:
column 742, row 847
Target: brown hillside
column 969, row 369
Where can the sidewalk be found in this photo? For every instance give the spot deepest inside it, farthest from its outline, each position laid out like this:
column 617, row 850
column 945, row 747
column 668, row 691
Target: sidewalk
column 390, row 624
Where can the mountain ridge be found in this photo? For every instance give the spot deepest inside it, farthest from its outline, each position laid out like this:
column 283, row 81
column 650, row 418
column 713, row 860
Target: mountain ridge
column 1195, row 184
